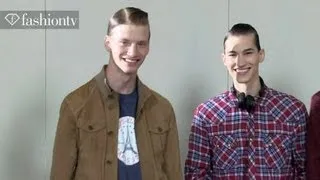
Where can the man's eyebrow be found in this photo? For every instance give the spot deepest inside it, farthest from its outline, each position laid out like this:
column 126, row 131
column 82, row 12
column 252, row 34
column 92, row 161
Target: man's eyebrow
column 231, row 52
column 249, row 49
column 123, row 39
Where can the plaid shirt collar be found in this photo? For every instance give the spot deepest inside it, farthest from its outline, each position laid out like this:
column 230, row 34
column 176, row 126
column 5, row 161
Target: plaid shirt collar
column 260, row 100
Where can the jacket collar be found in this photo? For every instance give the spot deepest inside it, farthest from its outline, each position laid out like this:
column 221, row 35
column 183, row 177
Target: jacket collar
column 143, row 91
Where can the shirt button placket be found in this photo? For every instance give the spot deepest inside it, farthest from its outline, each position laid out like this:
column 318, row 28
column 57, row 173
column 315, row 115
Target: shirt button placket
column 252, row 168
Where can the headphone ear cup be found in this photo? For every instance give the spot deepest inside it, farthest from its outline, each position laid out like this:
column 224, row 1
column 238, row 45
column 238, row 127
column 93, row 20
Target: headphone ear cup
column 241, row 100
column 250, row 102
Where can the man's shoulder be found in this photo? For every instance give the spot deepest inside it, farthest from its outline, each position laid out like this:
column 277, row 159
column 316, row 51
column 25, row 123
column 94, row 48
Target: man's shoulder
column 316, row 96
column 80, row 95
column 160, row 99
column 157, row 106
column 315, row 102
column 216, row 103
column 282, row 97
column 213, row 109
column 289, row 105
column 221, row 97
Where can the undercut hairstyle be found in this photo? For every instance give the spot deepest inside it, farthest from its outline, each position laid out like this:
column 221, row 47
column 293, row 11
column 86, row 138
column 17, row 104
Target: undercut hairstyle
column 243, row 29
column 129, row 16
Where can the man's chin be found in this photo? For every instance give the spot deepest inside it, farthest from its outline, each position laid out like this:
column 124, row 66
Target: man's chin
column 129, row 71
column 242, row 80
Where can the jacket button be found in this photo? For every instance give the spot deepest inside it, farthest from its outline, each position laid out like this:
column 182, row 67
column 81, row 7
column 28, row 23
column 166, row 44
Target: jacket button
column 109, row 162
column 159, row 129
column 90, row 127
column 110, row 96
column 110, row 133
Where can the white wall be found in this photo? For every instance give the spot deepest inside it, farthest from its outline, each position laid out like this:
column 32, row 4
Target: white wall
column 22, row 94
column 39, row 67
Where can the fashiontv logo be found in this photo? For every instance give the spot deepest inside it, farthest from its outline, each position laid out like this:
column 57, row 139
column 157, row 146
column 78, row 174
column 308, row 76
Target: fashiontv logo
column 39, row 19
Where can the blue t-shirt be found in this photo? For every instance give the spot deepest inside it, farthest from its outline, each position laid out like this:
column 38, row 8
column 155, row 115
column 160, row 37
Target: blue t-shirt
column 128, row 157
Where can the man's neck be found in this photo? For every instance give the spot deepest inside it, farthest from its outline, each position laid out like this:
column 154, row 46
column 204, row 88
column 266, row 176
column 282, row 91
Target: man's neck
column 251, row 88
column 120, row 82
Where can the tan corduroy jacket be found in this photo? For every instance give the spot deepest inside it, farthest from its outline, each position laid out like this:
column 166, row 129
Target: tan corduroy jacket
column 86, row 139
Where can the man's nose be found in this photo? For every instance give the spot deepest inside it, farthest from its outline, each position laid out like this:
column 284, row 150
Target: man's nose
column 240, row 61
column 132, row 50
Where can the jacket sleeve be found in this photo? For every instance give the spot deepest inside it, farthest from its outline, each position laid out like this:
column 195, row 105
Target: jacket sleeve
column 172, row 152
column 65, row 145
column 313, row 141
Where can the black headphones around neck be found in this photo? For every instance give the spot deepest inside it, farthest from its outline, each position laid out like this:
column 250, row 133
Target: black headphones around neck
column 246, row 102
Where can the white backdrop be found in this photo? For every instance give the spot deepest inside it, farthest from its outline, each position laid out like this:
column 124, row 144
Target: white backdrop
column 39, row 67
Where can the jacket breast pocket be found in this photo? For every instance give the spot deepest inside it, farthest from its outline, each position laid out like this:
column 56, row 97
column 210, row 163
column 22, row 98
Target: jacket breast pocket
column 278, row 149
column 92, row 134
column 158, row 134
column 225, row 152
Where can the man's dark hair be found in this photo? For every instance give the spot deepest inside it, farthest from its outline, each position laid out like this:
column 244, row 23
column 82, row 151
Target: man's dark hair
column 243, row 29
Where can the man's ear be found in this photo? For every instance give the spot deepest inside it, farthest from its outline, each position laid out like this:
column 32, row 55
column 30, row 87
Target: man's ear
column 107, row 43
column 261, row 55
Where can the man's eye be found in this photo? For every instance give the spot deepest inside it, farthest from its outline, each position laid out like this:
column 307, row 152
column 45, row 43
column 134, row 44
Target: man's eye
column 142, row 44
column 124, row 42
